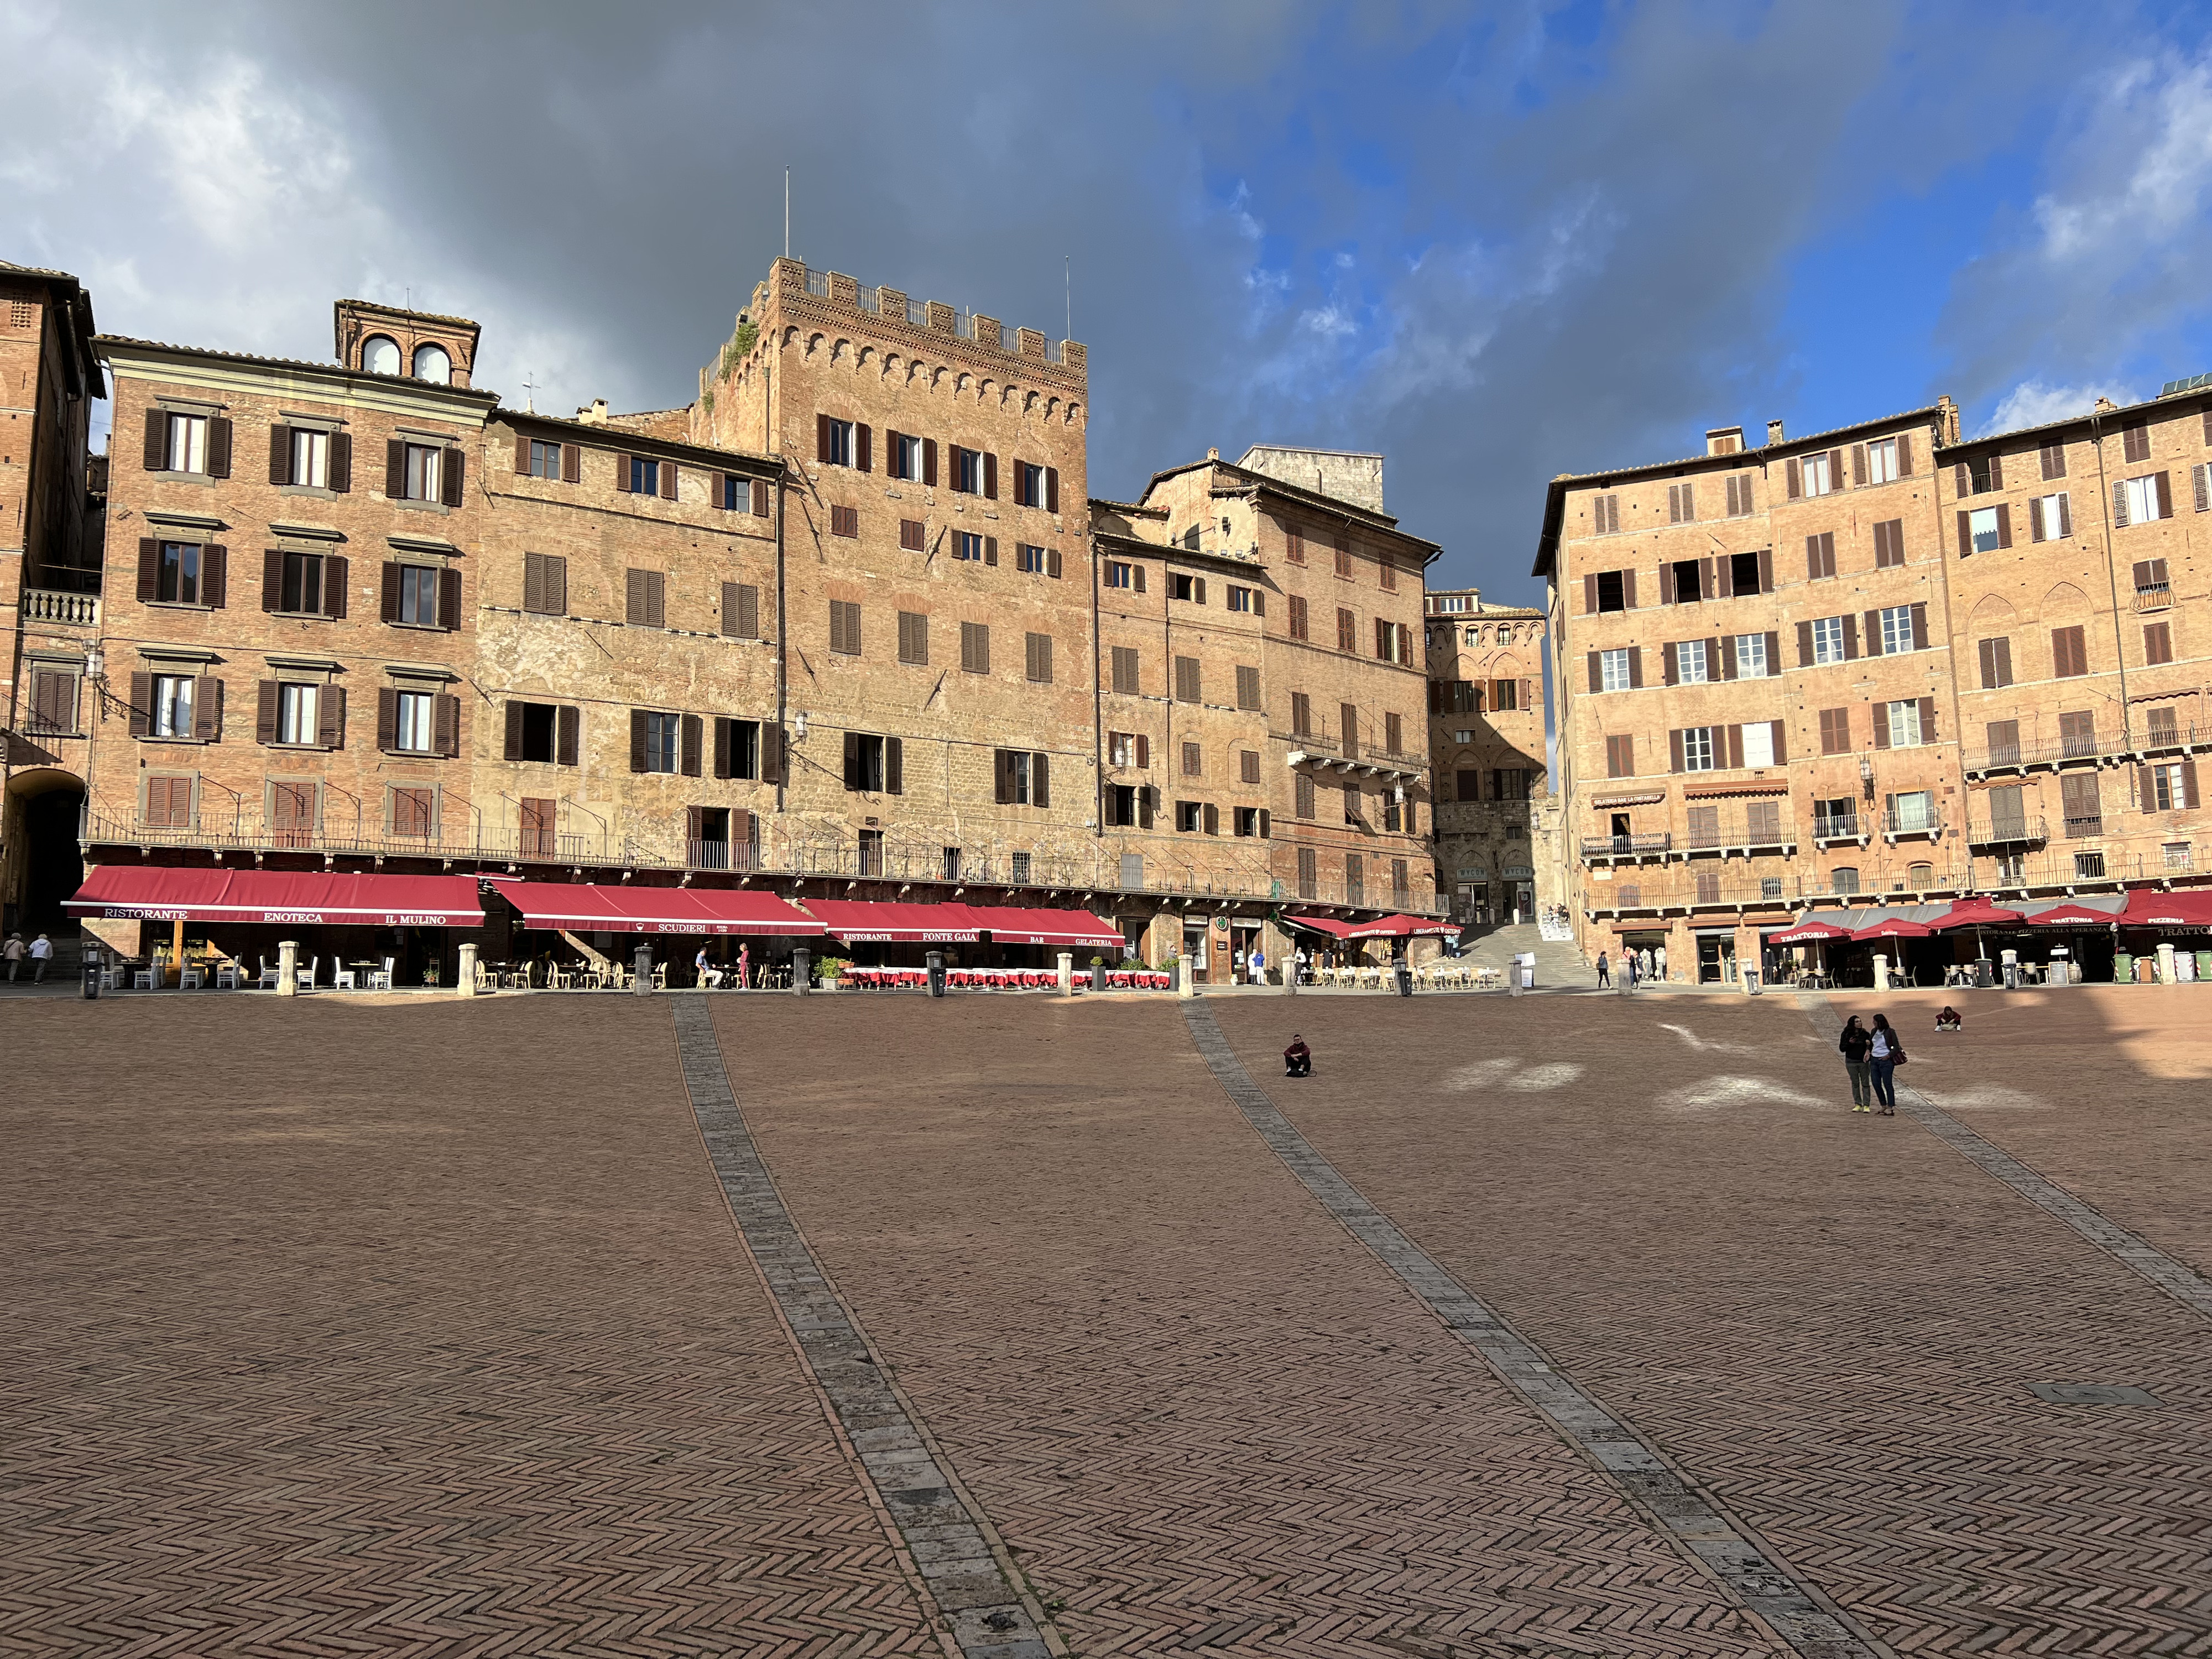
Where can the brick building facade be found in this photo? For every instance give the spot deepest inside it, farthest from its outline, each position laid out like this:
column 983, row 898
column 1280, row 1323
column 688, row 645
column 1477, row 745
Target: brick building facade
column 1496, row 822
column 1878, row 663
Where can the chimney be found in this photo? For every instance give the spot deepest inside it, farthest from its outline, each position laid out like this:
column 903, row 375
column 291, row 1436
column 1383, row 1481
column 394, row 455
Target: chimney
column 596, row 415
column 1213, row 454
column 1774, row 432
column 2106, row 406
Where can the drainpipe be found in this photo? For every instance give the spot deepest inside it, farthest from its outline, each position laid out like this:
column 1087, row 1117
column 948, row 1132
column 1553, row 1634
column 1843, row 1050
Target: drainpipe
column 1097, row 714
column 2112, row 571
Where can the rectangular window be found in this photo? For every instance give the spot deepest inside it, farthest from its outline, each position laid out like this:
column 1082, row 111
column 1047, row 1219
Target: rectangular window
column 1187, row 679
column 412, row 812
column 1605, row 514
column 1248, row 687
column 1689, row 588
column 2077, row 732
column 1344, row 559
column 1240, row 599
column 418, row 594
column 53, row 701
column 1997, row 664
column 845, row 627
column 1120, row 575
column 907, row 458
column 1193, row 761
column 1125, row 670
column 414, row 729
column 1828, row 640
column 1881, row 461
column 911, row 535
column 1739, row 495
column 1697, row 749
column 185, row 447
column 866, row 762
column 1912, row 813
column 1352, row 805
column 1620, row 758
column 2003, row 742
column 1983, row 534
column 1301, row 715
column 1347, row 630
column 1021, row 871
column 1752, row 662
column 2141, row 500
column 1820, row 555
column 1904, row 724
column 1393, row 735
column 1017, row 774
column 2053, row 457
column 836, row 444
column 1612, row 667
column 1819, row 478
column 968, row 545
column 1028, row 559
column 1190, row 589
column 1759, row 744
column 422, row 475
column 544, row 459
column 1689, row 662
column 2135, row 442
column 545, row 583
column 296, row 713
column 1889, row 544
column 2168, row 792
column 2070, row 652
column 914, row 638
column 1029, row 484
column 172, row 714
column 845, row 521
column 2081, row 805
column 1835, row 731
column 302, row 595
column 966, row 470
column 311, row 458
column 1611, row 590
column 976, row 650
column 1036, row 659
column 1681, row 503
column 2164, row 725
column 179, row 582
column 2051, row 518
column 1897, row 634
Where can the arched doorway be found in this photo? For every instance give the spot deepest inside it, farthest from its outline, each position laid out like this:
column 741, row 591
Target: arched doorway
column 46, row 810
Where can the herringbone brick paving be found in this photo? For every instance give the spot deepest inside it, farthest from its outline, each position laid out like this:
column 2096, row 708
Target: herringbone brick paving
column 1203, row 1416
column 1831, row 1319
column 343, row 1330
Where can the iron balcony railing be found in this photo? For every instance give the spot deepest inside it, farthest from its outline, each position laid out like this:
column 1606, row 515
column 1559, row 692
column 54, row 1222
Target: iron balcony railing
column 1836, row 826
column 1656, row 840
column 2005, row 831
column 2082, row 825
column 1752, row 831
column 1897, row 823
column 2155, row 596
column 2081, row 746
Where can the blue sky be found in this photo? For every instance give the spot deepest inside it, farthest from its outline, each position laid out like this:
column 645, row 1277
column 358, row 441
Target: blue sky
column 1496, row 242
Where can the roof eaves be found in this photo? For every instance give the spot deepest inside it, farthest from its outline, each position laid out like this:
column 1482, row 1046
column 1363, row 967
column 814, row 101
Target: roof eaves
column 613, row 437
column 331, row 370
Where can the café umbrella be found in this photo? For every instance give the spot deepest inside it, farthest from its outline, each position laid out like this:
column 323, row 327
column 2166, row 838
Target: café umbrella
column 1977, row 913
column 1892, row 928
column 1809, row 932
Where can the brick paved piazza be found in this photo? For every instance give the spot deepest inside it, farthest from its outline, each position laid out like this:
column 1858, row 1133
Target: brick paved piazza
column 386, row 1327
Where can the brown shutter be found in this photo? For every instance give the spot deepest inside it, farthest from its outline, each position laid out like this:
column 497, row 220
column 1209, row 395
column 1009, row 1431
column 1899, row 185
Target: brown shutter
column 692, row 739
column 2165, row 497
column 341, row 463
column 446, row 722
column 990, row 549
column 722, row 729
column 1529, row 694
column 2146, row 789
column 1996, row 473
column 141, row 704
column 335, row 573
column 1881, row 713
column 666, row 474
column 1052, row 489
column 395, row 470
column 272, row 578
column 929, row 462
column 280, row 452
column 771, row 754
column 822, row 439
column 637, row 717
column 1720, row 577
column 572, row 463
column 387, row 716
column 157, row 441
column 1859, row 466
column 1851, row 638
column 990, row 476
column 1962, row 481
column 1002, row 776
column 149, row 569
column 1773, row 652
column 733, row 620
column 264, row 712
column 2035, row 517
column 1920, row 627
column 215, row 574
column 1725, row 645
column 207, row 708
column 1674, row 751
column 1636, row 668
column 1665, row 583
column 513, row 749
column 1052, row 568
column 1835, row 469
column 522, row 452
column 1596, row 683
column 1796, row 477
column 1781, row 741
column 656, row 598
column 1905, row 455
column 533, row 582
column 2189, row 784
column 331, row 717
column 1589, row 594
column 450, row 477
column 635, row 602
column 566, row 727
column 1927, row 719
column 2004, row 524
column 1804, row 645
column 2119, row 504
column 449, row 598
column 1670, row 656
column 1734, row 746
column 218, row 447
column 760, row 498
column 1965, row 532
column 1873, row 633
column 1021, row 485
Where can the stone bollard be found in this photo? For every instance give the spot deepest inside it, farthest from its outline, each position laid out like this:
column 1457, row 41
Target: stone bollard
column 1290, row 975
column 1067, row 974
column 2165, row 965
column 465, row 982
column 1880, row 972
column 802, row 973
column 640, row 984
column 288, row 967
column 1186, row 979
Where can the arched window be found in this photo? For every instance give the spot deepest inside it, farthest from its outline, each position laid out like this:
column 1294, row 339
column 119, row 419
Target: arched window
column 1919, row 878
column 432, row 363
column 1844, row 880
column 379, row 355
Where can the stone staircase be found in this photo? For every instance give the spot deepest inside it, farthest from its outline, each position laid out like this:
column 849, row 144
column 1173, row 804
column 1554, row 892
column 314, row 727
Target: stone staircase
column 1558, row 965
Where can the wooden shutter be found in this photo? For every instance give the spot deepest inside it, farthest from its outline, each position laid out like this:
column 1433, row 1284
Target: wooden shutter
column 445, row 720
column 1052, row 568
column 2165, row 497
column 1635, row 667
column 1905, row 455
column 635, row 603
column 2004, row 524
column 272, row 579
column 1590, row 595
column 1710, row 585
column 1851, row 638
column 691, row 739
column 1665, row 583
column 665, row 473
column 1734, row 756
column 1720, row 577
column 339, row 468
column 1858, row 466
column 218, row 447
column 1596, row 682
column 572, row 463
column 337, row 572
column 1796, row 477
column 1674, row 751
column 852, row 779
column 1996, row 473
column 771, row 754
column 1780, row 741
column 142, row 705
column 1873, row 633
column 1039, row 780
column 722, row 730
column 387, row 717
column 1804, row 645
column 331, row 717
column 637, row 719
column 1881, row 713
column 1670, row 657
column 990, row 476
column 522, row 453
column 1724, row 647
column 533, row 582
column 265, row 707
column 150, row 569
column 990, row 549
column 1773, row 652
column 656, row 598
column 1529, row 694
column 1965, row 532
column 1144, row 752
column 1002, row 776
column 929, row 462
column 864, row 447
column 568, row 722
column 280, row 452
column 450, row 471
column 1835, row 469
column 157, row 441
column 207, row 707
column 1052, row 490
column 1927, row 719
column 760, row 498
column 2146, row 789
column 2191, row 798
column 732, row 623
column 1140, row 577
column 513, row 737
column 822, row 439
column 1920, row 626
column 391, row 595
column 449, row 598
column 1021, row 485
column 2119, row 504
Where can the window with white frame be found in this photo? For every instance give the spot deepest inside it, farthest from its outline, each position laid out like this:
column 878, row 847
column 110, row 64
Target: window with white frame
column 967, row 544
column 1896, row 629
column 1697, row 749
column 1750, row 662
column 1612, row 667
column 1881, row 461
column 1912, row 811
column 415, row 725
column 1827, row 638
column 1818, row 482
column 424, row 462
column 187, row 444
column 418, row 595
column 1982, row 529
column 311, row 458
column 2169, row 793
column 906, row 457
column 2052, row 519
column 1759, row 744
column 1689, row 666
column 1904, row 724
column 2142, row 497
column 172, row 706
column 296, row 708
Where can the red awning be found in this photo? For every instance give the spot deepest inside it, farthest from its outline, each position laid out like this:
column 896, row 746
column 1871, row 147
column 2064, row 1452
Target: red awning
column 862, row 920
column 2150, row 908
column 2072, row 916
column 589, row 907
column 1975, row 913
column 284, row 897
column 1402, row 927
column 1016, row 924
column 1328, row 925
column 1894, row 928
column 1808, row 932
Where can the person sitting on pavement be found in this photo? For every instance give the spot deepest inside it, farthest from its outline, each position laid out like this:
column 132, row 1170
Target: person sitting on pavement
column 1297, row 1059
column 1948, row 1020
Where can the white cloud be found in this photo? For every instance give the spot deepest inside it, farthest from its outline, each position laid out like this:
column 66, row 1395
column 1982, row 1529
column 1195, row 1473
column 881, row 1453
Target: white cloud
column 2033, row 403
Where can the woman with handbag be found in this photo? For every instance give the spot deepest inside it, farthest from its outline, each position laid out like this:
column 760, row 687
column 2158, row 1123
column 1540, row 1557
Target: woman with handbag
column 1885, row 1053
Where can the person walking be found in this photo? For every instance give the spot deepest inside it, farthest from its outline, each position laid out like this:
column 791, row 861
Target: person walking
column 1854, row 1042
column 1643, row 963
column 14, row 952
column 1604, row 973
column 1885, row 1053
column 1659, row 962
column 42, row 952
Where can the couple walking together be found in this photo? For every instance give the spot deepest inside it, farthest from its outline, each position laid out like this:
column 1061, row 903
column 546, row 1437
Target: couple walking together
column 1872, row 1058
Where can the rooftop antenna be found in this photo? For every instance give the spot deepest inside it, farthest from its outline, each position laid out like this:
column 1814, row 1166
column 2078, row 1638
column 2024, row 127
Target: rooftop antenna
column 786, row 213
column 1067, row 273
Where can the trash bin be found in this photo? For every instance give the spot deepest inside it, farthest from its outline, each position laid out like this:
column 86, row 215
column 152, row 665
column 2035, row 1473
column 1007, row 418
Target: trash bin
column 1524, row 969
column 936, row 960
column 1751, row 982
column 2204, row 964
column 2123, row 968
column 92, row 973
column 1984, row 976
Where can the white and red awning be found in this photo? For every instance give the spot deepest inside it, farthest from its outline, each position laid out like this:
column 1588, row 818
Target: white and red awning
column 1328, row 925
column 283, row 897
column 588, row 907
column 864, row 921
column 1017, row 925
column 1402, row 926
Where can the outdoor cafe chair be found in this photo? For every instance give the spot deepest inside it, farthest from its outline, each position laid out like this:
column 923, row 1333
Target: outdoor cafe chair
column 142, row 979
column 380, row 979
column 226, row 976
column 268, row 977
column 306, row 975
column 192, row 978
column 345, row 979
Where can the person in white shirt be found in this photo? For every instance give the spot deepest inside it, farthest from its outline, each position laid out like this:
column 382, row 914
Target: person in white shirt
column 709, row 975
column 42, row 952
column 1884, row 1055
